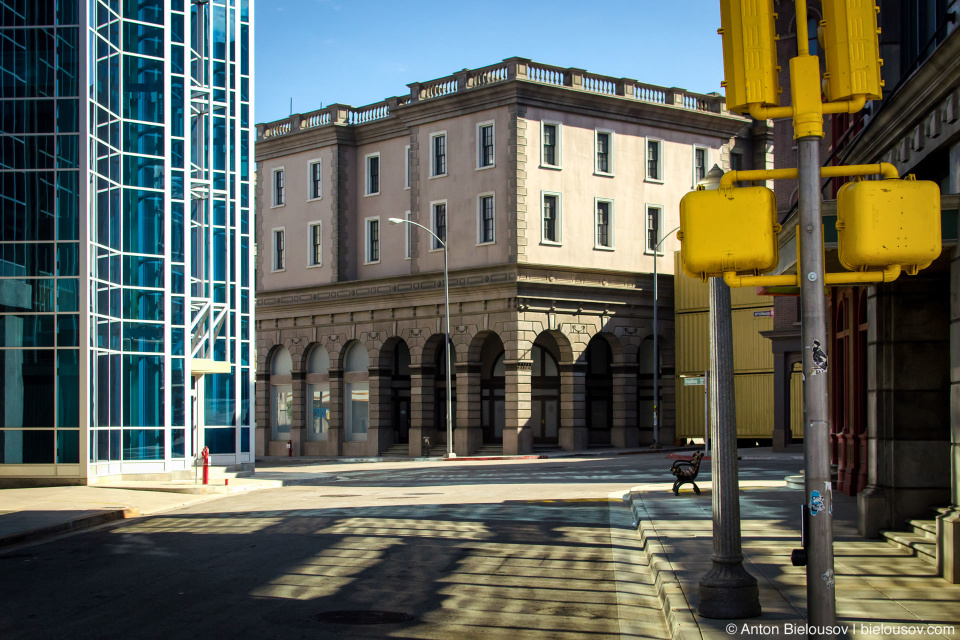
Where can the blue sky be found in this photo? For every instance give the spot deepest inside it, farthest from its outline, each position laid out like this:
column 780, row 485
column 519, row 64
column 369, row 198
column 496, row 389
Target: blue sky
column 321, row 52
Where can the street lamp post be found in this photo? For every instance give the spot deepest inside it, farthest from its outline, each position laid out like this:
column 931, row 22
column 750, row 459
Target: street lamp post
column 446, row 305
column 727, row 590
column 656, row 334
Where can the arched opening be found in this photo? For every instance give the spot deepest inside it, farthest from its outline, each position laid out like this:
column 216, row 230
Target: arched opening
column 545, row 391
column 400, row 392
column 318, row 394
column 281, row 395
column 356, row 397
column 493, row 390
column 440, row 392
column 599, row 383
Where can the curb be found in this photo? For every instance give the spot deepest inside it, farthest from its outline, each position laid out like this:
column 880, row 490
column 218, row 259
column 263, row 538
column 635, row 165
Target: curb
column 77, row 524
column 475, row 458
column 681, row 619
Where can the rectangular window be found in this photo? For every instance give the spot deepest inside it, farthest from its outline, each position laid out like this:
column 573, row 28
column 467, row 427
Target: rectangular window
column 604, row 231
column 279, row 256
column 406, row 169
column 278, row 193
column 654, row 227
column 315, row 180
column 484, row 145
column 699, row 164
column 316, row 252
column 550, row 148
column 654, row 157
column 550, row 227
column 407, row 228
column 438, row 154
column 604, row 146
column 485, row 219
column 439, row 223
column 373, row 174
column 373, row 240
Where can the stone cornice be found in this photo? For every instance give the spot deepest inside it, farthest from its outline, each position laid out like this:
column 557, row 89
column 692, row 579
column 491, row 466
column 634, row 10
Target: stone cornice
column 922, row 93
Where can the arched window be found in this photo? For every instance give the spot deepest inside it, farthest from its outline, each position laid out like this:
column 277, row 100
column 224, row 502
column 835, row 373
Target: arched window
column 545, row 396
column 318, row 394
column 281, row 394
column 356, row 396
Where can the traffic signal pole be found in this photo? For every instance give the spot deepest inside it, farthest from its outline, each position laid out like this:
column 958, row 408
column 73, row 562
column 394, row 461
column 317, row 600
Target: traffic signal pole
column 821, row 598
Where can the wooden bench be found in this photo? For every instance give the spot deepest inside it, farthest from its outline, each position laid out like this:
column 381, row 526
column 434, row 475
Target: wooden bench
column 686, row 472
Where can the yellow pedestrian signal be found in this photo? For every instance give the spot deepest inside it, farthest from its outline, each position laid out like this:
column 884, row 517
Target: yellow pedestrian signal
column 728, row 230
column 749, row 53
column 851, row 49
column 888, row 222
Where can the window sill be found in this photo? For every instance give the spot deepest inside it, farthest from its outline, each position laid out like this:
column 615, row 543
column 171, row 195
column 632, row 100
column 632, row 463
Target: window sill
column 650, row 253
column 439, row 175
column 435, row 250
column 486, row 244
column 317, row 199
column 653, row 180
column 278, row 270
column 551, row 167
column 551, row 243
column 489, row 166
column 278, row 206
column 602, row 248
column 604, row 174
column 314, row 266
column 367, row 195
column 367, row 263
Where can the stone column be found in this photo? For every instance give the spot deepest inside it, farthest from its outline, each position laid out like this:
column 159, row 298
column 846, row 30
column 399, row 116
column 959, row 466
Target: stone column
column 948, row 523
column 518, row 432
column 421, row 411
column 298, row 432
column 380, row 431
column 468, row 433
column 908, row 413
column 335, row 435
column 781, row 403
column 573, row 407
column 263, row 414
column 625, row 433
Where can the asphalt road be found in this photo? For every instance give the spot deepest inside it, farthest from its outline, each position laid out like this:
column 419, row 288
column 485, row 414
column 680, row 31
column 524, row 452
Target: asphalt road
column 499, row 549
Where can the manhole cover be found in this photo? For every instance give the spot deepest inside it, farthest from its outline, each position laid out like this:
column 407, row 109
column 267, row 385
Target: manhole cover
column 363, row 617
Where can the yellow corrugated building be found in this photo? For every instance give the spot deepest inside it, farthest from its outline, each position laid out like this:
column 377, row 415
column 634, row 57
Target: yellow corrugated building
column 752, row 358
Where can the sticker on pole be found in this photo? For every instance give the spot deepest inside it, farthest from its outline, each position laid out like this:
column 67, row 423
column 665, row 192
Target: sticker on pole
column 819, row 359
column 828, row 578
column 816, row 502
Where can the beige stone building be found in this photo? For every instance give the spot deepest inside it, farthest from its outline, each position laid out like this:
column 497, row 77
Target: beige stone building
column 551, row 187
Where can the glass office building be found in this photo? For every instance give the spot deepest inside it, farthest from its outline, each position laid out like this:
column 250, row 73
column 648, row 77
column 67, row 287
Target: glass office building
column 125, row 237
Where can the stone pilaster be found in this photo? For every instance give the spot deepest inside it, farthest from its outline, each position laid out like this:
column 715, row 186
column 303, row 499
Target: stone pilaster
column 518, row 432
column 468, row 434
column 380, row 431
column 421, row 411
column 625, row 433
column 335, row 435
column 298, row 432
column 573, row 426
column 948, row 523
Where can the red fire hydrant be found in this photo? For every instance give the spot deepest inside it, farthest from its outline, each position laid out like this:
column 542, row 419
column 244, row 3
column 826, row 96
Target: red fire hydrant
column 205, row 454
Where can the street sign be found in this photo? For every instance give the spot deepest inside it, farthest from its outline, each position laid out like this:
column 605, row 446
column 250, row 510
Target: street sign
column 763, row 314
column 694, row 382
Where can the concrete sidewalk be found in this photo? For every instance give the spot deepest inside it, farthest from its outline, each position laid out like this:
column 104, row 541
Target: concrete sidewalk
column 880, row 590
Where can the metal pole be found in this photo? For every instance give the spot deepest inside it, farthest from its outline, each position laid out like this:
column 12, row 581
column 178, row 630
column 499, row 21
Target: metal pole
column 727, row 590
column 821, row 599
column 656, row 334
column 446, row 301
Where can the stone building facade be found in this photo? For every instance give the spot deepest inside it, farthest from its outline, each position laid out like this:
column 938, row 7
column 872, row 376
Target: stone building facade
column 550, row 187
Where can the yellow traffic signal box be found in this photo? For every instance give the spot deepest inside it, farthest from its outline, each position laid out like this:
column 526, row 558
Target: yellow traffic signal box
column 888, row 222
column 851, row 49
column 749, row 53
column 728, row 230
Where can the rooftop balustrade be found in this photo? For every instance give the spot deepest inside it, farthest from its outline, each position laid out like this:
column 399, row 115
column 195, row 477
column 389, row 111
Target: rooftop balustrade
column 510, row 69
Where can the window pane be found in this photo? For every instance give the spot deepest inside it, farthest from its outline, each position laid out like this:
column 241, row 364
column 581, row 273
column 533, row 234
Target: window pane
column 26, row 447
column 143, row 444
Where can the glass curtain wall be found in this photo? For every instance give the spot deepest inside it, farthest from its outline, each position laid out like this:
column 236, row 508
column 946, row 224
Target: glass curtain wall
column 40, row 147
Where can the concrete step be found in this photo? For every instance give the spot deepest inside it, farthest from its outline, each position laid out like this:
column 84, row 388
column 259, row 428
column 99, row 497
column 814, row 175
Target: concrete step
column 397, row 451
column 925, row 528
column 489, row 450
column 920, row 546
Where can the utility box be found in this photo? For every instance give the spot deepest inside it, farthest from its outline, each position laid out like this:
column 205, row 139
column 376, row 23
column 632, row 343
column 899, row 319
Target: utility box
column 886, row 222
column 729, row 229
column 749, row 53
column 851, row 49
